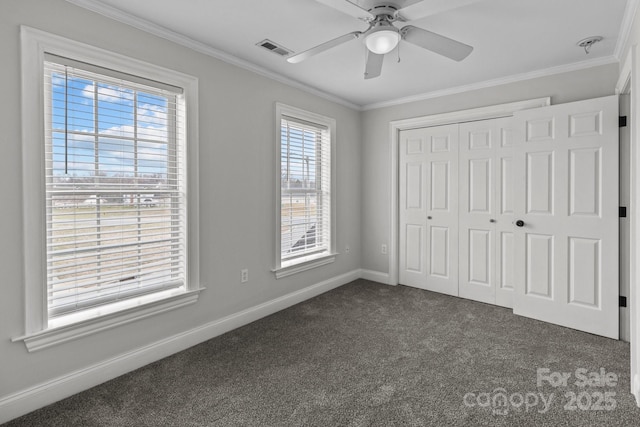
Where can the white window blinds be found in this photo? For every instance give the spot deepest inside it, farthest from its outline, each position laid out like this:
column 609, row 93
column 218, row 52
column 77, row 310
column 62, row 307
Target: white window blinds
column 115, row 186
column 305, row 174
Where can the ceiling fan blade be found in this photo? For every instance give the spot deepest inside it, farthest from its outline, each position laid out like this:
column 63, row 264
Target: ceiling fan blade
column 374, row 65
column 349, row 8
column 436, row 43
column 430, row 7
column 322, row 47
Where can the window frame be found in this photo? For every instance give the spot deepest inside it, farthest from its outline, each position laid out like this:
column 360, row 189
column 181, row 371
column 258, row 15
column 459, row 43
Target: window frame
column 285, row 268
column 38, row 332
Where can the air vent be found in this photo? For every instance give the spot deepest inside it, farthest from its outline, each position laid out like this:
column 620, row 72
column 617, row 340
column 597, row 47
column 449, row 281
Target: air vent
column 274, row 47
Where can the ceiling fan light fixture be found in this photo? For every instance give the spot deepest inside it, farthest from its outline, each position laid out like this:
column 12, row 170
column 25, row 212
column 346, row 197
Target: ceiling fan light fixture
column 382, row 39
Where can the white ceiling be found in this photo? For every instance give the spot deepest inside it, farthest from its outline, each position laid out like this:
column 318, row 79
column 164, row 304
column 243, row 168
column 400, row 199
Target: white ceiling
column 510, row 37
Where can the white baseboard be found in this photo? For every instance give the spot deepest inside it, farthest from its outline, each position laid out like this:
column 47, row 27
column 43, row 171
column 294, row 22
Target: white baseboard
column 33, row 398
column 375, row 276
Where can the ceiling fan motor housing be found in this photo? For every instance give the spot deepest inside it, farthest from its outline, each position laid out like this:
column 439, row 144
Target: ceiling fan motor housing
column 384, row 10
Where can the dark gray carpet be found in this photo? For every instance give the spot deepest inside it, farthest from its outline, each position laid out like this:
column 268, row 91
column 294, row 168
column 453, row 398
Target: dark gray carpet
column 366, row 354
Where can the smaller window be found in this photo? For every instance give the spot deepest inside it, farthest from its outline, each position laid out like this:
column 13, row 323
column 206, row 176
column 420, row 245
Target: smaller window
column 305, row 197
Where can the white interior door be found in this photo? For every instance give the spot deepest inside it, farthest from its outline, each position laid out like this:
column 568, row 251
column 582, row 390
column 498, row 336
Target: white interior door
column 477, row 217
column 507, row 134
column 413, row 208
column 566, row 246
column 429, row 208
column 486, row 210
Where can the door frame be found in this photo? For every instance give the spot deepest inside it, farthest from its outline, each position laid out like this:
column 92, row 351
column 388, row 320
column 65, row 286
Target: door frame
column 629, row 80
column 482, row 113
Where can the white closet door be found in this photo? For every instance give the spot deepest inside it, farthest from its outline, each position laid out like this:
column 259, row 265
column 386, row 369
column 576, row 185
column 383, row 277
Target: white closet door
column 477, row 218
column 413, row 208
column 507, row 133
column 486, row 211
column 567, row 245
column 429, row 208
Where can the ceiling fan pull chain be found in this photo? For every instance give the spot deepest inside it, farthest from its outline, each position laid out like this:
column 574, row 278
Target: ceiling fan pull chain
column 399, row 53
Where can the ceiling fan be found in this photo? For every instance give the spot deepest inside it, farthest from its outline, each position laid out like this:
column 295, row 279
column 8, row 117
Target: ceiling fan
column 383, row 36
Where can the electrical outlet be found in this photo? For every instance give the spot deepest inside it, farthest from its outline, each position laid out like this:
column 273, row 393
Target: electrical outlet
column 244, row 275
column 383, row 249
column 347, row 249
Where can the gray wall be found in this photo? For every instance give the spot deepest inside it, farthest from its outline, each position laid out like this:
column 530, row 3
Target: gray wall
column 237, row 209
column 376, row 191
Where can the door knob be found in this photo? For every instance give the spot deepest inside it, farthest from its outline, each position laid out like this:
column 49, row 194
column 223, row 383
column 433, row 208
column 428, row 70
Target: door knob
column 492, row 220
column 520, row 223
column 428, row 217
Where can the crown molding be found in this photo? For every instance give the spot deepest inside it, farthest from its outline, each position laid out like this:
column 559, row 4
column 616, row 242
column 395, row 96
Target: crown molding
column 495, row 82
column 167, row 34
column 625, row 28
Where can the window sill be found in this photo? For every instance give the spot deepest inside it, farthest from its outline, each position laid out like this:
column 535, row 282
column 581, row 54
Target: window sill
column 144, row 307
column 307, row 264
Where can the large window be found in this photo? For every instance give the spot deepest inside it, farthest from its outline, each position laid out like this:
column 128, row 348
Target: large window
column 306, row 199
column 110, row 189
column 115, row 176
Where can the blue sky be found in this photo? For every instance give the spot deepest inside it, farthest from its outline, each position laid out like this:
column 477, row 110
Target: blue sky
column 117, row 112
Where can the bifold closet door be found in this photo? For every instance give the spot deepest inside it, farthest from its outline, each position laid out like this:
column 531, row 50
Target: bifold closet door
column 428, row 211
column 566, row 241
column 508, row 134
column 486, row 211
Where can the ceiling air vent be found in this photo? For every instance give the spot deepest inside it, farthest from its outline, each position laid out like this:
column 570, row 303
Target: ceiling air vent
column 274, row 47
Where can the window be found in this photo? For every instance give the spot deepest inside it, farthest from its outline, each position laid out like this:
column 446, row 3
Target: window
column 111, row 218
column 114, row 174
column 306, row 196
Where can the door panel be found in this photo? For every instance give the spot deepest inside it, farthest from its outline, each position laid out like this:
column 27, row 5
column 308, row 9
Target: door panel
column 439, row 188
column 505, row 262
column 439, row 250
column 540, row 183
column 480, row 188
column 567, row 250
column 505, row 186
column 428, row 208
column 539, row 265
column 584, row 181
column 584, row 274
column 413, row 209
column 478, row 142
column 486, row 210
column 442, row 212
column 414, row 248
column 414, row 185
column 480, row 265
